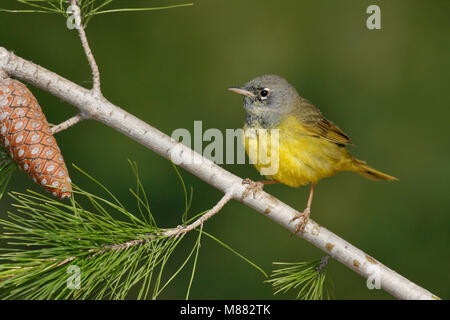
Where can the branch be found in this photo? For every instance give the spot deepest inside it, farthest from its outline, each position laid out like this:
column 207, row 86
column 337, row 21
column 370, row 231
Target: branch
column 171, row 232
column 87, row 50
column 197, row 223
column 98, row 108
column 175, row 232
column 68, row 123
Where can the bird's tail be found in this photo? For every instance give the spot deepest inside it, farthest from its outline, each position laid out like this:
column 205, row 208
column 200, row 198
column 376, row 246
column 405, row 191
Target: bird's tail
column 370, row 173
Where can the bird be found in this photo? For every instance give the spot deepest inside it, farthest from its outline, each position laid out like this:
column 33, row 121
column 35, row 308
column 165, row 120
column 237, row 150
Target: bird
column 308, row 146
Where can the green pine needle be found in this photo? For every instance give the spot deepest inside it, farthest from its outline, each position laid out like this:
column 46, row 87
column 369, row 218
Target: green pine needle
column 187, row 200
column 88, row 8
column 7, row 168
column 90, row 247
column 48, row 238
column 309, row 278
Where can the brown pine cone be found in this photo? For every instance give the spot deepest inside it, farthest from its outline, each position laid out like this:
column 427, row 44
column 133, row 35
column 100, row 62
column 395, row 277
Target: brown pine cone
column 26, row 135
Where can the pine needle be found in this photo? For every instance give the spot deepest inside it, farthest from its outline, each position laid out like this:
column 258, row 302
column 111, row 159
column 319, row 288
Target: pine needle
column 46, row 237
column 7, row 168
column 309, row 278
column 88, row 8
column 90, row 247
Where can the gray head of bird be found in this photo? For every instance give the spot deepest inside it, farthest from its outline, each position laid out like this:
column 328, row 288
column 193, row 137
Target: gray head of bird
column 269, row 96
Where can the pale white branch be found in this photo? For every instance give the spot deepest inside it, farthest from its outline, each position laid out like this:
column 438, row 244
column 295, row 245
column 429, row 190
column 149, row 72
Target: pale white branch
column 98, row 108
column 197, row 223
column 68, row 123
column 87, row 49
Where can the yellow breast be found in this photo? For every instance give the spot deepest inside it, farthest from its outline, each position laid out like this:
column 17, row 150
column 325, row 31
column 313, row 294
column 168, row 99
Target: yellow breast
column 291, row 156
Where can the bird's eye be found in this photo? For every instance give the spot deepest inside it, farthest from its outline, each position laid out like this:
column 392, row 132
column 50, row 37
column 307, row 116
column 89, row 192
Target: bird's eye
column 264, row 93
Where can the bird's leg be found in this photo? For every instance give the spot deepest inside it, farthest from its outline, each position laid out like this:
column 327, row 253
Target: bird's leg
column 255, row 187
column 305, row 214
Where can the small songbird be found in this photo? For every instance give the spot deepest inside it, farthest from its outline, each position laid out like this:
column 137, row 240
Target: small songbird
column 310, row 147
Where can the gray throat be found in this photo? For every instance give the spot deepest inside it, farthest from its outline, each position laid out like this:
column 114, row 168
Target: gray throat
column 264, row 121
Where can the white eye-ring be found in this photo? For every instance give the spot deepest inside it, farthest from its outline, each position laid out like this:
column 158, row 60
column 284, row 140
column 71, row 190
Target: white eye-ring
column 264, row 93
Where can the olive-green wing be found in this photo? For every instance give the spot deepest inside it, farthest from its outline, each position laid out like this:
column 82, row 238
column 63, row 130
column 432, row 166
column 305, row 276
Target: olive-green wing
column 316, row 125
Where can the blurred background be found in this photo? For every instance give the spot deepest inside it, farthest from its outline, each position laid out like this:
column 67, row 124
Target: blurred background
column 388, row 89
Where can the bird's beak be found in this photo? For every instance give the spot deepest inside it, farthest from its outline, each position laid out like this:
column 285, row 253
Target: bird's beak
column 242, row 91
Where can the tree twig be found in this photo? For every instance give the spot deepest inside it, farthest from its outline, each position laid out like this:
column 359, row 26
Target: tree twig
column 87, row 49
column 68, row 123
column 197, row 223
column 167, row 233
column 100, row 109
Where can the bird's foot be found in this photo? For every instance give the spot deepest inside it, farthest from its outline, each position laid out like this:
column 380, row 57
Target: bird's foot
column 304, row 216
column 253, row 187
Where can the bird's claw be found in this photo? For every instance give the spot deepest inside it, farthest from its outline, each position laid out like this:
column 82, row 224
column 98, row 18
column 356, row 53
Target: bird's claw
column 304, row 216
column 253, row 187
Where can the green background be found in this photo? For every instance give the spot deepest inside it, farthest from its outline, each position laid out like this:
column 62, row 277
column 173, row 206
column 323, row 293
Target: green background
column 388, row 89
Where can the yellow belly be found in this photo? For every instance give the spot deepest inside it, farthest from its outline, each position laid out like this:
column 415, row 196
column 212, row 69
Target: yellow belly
column 302, row 159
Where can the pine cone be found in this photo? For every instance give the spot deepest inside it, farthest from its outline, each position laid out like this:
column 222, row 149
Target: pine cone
column 26, row 135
